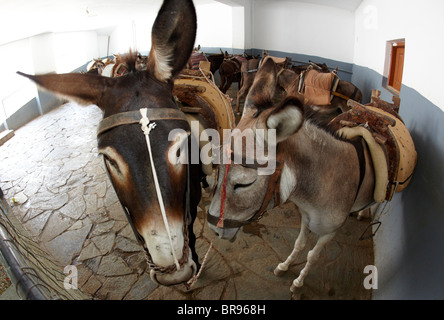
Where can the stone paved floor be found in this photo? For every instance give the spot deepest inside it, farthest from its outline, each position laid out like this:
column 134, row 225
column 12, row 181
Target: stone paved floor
column 64, row 200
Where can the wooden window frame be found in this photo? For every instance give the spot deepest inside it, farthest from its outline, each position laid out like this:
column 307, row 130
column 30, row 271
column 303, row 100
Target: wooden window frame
column 391, row 70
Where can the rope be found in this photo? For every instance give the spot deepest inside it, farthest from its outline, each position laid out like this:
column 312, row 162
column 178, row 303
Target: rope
column 223, row 196
column 193, row 280
column 222, row 95
column 146, row 128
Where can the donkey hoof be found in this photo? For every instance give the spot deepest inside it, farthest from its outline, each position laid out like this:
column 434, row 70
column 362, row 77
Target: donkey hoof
column 280, row 269
column 296, row 284
column 278, row 272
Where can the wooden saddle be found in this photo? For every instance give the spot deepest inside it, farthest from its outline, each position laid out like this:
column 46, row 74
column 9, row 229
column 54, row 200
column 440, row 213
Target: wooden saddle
column 390, row 143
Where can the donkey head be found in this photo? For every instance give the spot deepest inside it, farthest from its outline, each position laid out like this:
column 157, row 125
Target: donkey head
column 243, row 192
column 124, row 145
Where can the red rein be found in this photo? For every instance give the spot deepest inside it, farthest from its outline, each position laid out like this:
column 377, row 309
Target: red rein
column 223, row 198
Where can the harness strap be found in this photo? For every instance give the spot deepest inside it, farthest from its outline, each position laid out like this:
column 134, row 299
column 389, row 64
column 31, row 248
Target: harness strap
column 340, row 95
column 223, row 197
column 355, row 92
column 359, row 146
column 131, row 117
column 146, row 128
column 272, row 189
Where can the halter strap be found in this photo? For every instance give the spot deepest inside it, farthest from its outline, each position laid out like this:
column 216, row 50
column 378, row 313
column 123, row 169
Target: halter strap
column 132, row 117
column 148, row 125
column 272, row 189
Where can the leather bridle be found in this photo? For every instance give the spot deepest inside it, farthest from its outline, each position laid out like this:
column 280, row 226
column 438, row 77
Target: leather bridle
column 134, row 117
column 273, row 190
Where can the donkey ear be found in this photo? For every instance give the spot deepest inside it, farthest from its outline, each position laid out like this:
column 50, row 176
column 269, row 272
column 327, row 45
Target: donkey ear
column 173, row 36
column 264, row 86
column 286, row 119
column 83, row 88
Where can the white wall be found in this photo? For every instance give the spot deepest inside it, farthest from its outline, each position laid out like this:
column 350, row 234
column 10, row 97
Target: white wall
column 303, row 28
column 421, row 25
column 74, row 49
column 15, row 90
column 214, row 26
column 214, row 29
column 408, row 246
column 51, row 52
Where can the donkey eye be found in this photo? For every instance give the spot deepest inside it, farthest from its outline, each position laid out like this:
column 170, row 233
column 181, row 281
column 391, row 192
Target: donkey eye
column 110, row 162
column 243, row 185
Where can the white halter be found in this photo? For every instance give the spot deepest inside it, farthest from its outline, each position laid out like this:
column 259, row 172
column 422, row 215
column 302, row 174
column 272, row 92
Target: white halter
column 146, row 128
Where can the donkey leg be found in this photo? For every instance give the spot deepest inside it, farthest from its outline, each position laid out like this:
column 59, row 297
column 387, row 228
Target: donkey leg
column 222, row 82
column 312, row 257
column 299, row 245
column 239, row 96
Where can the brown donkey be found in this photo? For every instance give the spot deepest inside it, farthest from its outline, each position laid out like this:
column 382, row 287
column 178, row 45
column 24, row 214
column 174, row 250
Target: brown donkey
column 160, row 196
column 325, row 192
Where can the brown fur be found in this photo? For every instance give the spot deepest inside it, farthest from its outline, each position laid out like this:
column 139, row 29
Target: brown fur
column 173, row 36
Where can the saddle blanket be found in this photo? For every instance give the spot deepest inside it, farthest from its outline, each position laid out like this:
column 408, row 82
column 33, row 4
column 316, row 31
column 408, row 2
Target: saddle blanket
column 317, row 87
column 196, row 58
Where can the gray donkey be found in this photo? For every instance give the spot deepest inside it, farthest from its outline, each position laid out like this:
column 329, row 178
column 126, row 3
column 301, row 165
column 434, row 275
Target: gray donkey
column 310, row 172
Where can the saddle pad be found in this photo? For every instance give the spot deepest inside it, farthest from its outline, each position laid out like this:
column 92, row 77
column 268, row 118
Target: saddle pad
column 196, row 58
column 278, row 60
column 240, row 59
column 378, row 158
column 318, row 87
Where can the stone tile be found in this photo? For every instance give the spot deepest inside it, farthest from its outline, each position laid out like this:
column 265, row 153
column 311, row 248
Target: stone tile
column 113, row 265
column 56, row 225
column 91, row 286
column 48, row 201
column 137, row 262
column 116, row 288
column 166, row 293
column 74, row 208
column 103, row 227
column 141, row 289
column 127, row 245
column 68, row 244
column 104, row 242
column 89, row 251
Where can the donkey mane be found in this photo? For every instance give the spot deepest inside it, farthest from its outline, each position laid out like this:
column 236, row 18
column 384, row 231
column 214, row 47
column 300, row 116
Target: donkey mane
column 129, row 59
column 311, row 116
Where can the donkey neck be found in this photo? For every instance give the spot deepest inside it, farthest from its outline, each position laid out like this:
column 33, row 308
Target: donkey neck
column 316, row 164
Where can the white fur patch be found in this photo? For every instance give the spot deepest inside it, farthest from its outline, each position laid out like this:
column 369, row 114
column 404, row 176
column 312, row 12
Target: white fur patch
column 156, row 240
column 123, row 171
column 163, row 69
column 288, row 183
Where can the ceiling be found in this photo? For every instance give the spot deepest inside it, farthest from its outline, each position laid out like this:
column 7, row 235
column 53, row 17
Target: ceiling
column 24, row 18
column 350, row 5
